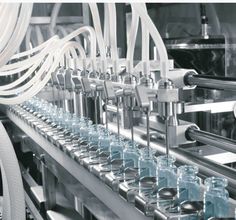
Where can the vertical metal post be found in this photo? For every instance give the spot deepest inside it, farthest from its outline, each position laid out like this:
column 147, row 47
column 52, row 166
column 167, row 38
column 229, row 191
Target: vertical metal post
column 96, row 109
column 49, row 186
column 86, row 106
column 148, row 131
column 131, row 120
column 106, row 103
column 118, row 117
column 167, row 135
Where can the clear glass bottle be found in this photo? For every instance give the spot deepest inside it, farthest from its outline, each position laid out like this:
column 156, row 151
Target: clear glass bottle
column 61, row 117
column 54, row 114
column 76, row 124
column 116, row 148
column 94, row 132
column 104, row 141
column 146, row 163
column 216, row 198
column 85, row 125
column 166, row 172
column 147, row 171
column 68, row 121
column 188, row 184
column 130, row 160
column 130, row 155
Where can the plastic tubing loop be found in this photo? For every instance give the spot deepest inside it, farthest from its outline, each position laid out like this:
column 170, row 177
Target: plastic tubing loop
column 41, row 71
column 37, row 87
column 164, row 63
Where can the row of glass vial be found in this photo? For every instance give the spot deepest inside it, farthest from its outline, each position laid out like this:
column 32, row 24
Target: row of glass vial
column 184, row 178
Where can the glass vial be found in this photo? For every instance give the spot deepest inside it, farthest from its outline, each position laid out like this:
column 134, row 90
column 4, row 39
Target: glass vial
column 188, row 184
column 146, row 163
column 166, row 172
column 216, row 198
column 130, row 155
column 147, row 172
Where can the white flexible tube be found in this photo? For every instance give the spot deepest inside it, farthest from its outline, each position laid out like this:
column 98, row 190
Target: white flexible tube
column 77, row 45
column 132, row 41
column 38, row 74
column 64, row 34
column 70, row 29
column 9, row 27
column 13, row 191
column 106, row 26
column 113, row 30
column 39, row 35
column 30, row 85
column 19, row 33
column 81, row 30
column 28, row 37
column 25, row 76
column 19, row 80
column 32, row 59
column 55, row 12
column 98, row 29
column 16, row 71
column 4, row 14
column 164, row 65
column 145, row 44
column 73, row 46
column 34, row 50
column 35, row 78
column 31, row 82
column 37, row 87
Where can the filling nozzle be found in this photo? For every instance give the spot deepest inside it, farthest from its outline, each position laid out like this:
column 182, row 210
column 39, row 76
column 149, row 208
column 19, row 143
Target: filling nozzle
column 69, row 88
column 84, row 62
column 168, row 96
column 204, row 21
column 61, row 84
column 128, row 99
column 114, row 75
column 94, row 66
column 84, row 72
column 147, row 112
column 55, row 85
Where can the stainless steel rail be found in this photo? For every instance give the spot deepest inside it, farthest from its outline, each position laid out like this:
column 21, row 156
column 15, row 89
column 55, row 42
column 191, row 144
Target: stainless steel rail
column 113, row 201
column 211, row 82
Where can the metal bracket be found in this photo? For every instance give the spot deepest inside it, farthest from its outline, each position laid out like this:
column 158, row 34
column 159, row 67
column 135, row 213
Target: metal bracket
column 143, row 95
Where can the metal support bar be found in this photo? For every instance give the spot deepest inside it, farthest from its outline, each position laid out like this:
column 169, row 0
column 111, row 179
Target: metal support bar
column 211, row 139
column 49, row 186
column 211, row 82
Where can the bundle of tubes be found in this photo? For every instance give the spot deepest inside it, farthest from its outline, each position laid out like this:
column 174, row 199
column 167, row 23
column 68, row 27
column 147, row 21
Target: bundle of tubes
column 35, row 66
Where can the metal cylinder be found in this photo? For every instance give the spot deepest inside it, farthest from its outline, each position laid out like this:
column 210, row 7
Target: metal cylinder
column 211, row 139
column 211, row 82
